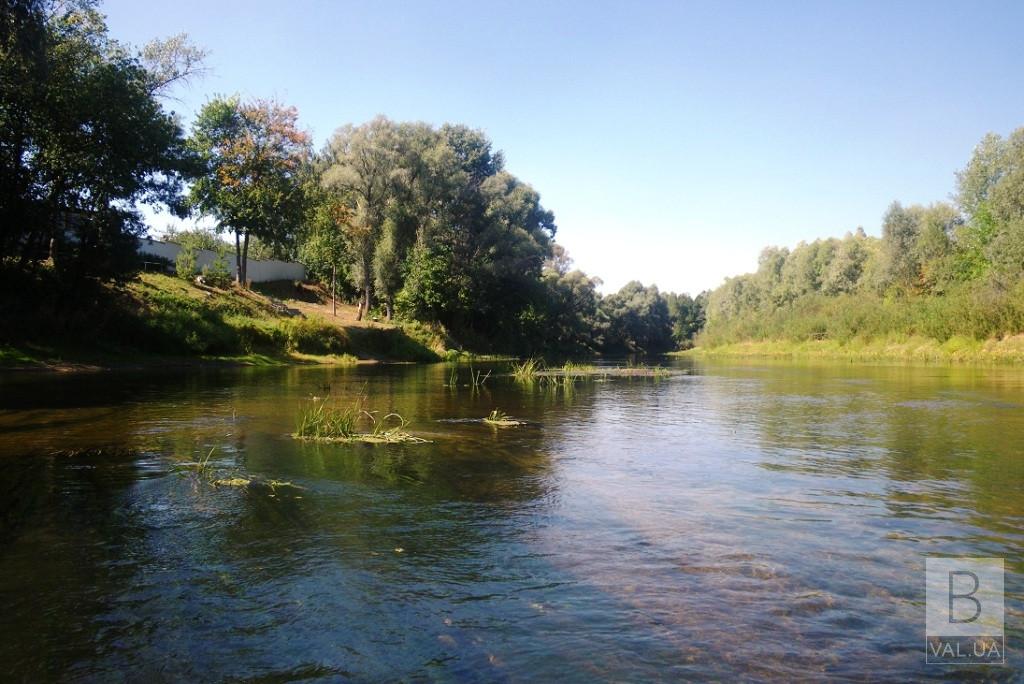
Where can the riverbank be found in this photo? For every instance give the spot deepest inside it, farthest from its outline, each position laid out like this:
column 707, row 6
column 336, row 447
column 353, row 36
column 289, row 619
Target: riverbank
column 157, row 319
column 1008, row 350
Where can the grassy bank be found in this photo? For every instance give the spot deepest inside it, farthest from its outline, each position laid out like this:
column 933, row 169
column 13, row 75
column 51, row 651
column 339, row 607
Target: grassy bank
column 160, row 319
column 1008, row 350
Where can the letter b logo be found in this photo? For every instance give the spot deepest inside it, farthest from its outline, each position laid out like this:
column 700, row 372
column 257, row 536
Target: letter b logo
column 967, row 596
column 964, row 597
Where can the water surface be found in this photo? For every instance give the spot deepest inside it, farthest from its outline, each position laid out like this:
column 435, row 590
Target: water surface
column 734, row 521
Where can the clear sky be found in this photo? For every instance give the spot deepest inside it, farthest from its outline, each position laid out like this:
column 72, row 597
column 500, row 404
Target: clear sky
column 672, row 140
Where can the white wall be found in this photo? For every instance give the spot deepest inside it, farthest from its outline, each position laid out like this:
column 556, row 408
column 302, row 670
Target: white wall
column 258, row 271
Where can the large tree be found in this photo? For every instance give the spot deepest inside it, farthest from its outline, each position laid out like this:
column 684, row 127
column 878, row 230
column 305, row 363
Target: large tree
column 638, row 318
column 362, row 162
column 83, row 139
column 253, row 155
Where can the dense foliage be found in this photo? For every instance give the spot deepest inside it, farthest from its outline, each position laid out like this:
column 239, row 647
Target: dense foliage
column 252, row 155
column 427, row 222
column 83, row 138
column 939, row 271
column 419, row 222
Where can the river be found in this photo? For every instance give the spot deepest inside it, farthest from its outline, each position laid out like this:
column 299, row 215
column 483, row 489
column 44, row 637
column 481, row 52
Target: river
column 731, row 521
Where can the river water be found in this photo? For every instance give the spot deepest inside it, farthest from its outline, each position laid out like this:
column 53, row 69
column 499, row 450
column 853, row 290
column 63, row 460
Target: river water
column 735, row 521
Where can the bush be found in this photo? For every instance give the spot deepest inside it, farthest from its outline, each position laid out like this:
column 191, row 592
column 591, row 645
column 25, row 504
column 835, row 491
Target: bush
column 311, row 336
column 217, row 274
column 185, row 263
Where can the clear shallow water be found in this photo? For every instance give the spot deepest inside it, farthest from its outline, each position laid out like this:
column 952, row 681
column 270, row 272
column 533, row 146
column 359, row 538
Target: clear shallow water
column 743, row 521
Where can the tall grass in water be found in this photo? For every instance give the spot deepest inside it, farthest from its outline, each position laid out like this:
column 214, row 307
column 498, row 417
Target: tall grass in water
column 572, row 368
column 478, row 378
column 324, row 423
column 321, row 421
column 528, row 369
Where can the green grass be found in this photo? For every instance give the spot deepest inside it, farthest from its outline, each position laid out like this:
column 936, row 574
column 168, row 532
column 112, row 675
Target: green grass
column 898, row 348
column 571, row 368
column 11, row 357
column 528, row 369
column 323, row 423
column 155, row 318
column 971, row 322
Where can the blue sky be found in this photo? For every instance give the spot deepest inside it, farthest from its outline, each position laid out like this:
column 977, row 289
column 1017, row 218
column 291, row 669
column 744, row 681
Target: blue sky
column 672, row 140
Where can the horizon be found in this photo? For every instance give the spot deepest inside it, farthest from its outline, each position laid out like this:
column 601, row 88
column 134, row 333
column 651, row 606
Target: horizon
column 806, row 124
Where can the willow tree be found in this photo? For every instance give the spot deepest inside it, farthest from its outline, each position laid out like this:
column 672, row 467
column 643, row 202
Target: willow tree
column 253, row 155
column 362, row 162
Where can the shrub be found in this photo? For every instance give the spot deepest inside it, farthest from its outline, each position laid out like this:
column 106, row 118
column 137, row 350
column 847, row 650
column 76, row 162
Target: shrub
column 217, row 274
column 312, row 336
column 185, row 263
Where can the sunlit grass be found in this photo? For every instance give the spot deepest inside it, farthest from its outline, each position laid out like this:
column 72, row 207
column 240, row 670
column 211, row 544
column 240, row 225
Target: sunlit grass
column 528, row 369
column 324, row 423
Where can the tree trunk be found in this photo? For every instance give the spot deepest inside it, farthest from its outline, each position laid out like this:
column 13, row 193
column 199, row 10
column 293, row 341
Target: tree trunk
column 244, row 272
column 238, row 259
column 364, row 302
column 334, row 298
column 387, row 309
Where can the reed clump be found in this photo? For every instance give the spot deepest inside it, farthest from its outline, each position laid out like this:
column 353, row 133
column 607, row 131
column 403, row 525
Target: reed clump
column 325, row 423
column 528, row 369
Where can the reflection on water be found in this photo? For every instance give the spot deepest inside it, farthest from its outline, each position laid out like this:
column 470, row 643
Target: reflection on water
column 732, row 521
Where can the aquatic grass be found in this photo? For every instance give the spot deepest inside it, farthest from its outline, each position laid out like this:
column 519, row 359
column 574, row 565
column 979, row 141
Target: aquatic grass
column 204, row 465
column 321, row 421
column 324, row 423
column 528, row 369
column 571, row 368
column 200, row 467
column 478, row 378
column 255, row 483
column 574, row 372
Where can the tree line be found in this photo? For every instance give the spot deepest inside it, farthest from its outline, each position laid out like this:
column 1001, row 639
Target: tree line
column 414, row 221
column 939, row 271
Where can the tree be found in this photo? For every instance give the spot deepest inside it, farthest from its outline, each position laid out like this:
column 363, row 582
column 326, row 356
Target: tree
column 687, row 315
column 847, row 266
column 83, row 141
column 322, row 246
column 170, row 61
column 253, row 154
column 900, row 230
column 573, row 323
column 426, row 200
column 363, row 163
column 638, row 318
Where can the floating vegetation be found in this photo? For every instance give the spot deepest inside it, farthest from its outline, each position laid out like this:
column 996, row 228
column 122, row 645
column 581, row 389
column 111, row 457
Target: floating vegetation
column 533, row 370
column 253, row 483
column 499, row 418
column 232, row 482
column 578, row 371
column 528, row 369
column 323, row 423
column 97, row 452
column 571, row 368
